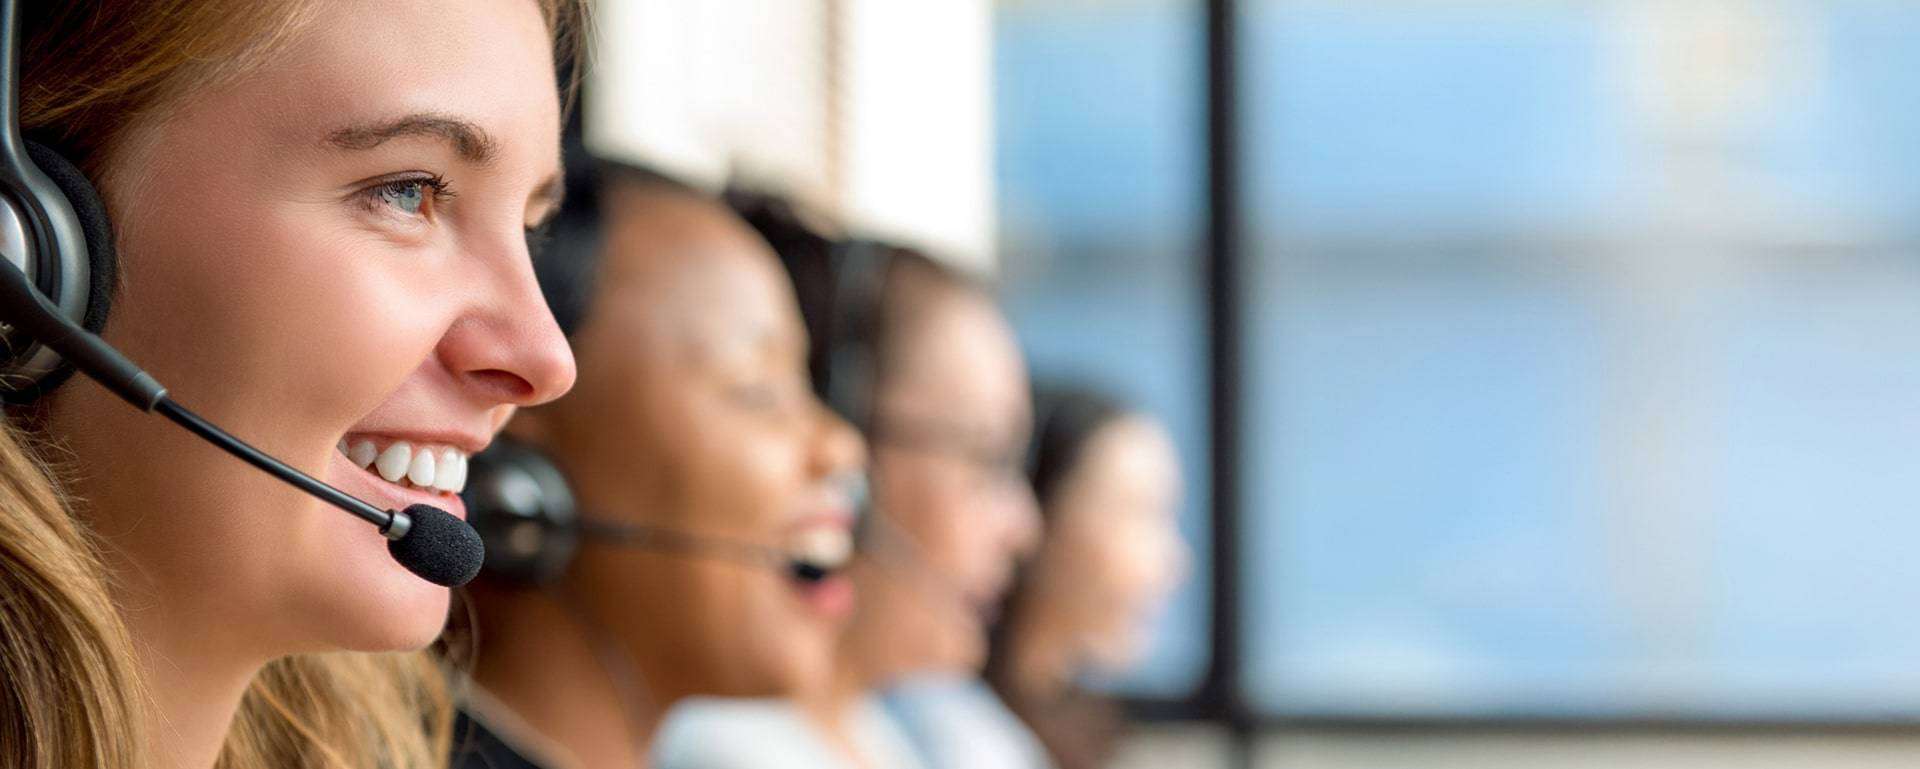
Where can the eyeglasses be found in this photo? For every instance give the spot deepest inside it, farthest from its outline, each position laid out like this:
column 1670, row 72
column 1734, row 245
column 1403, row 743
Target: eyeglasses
column 996, row 463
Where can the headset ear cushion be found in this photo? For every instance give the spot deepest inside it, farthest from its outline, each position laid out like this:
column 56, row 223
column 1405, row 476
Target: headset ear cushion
column 524, row 510
column 103, row 261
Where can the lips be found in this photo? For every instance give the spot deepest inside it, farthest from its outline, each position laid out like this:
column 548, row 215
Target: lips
column 831, row 598
column 824, row 541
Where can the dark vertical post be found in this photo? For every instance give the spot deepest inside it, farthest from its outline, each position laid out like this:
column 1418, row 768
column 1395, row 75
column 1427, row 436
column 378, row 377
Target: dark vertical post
column 1222, row 687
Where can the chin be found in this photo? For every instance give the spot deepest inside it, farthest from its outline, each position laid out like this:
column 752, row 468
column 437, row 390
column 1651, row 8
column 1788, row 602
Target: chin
column 372, row 604
column 1115, row 655
column 966, row 655
column 777, row 673
column 409, row 624
column 799, row 672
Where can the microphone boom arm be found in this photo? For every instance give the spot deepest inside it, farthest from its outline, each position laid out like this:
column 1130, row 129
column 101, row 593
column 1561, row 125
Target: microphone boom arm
column 393, row 524
column 687, row 544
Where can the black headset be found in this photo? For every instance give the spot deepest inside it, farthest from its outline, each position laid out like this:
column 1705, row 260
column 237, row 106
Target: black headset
column 54, row 229
column 517, row 498
column 526, row 514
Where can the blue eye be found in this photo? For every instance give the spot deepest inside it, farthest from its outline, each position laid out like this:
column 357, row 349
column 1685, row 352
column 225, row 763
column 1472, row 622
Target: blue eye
column 412, row 197
column 407, row 196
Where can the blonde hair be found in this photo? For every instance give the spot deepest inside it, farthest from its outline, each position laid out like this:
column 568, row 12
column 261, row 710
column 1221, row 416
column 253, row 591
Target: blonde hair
column 70, row 690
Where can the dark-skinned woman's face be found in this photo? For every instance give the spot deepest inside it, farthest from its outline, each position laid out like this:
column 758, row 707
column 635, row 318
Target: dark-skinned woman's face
column 693, row 412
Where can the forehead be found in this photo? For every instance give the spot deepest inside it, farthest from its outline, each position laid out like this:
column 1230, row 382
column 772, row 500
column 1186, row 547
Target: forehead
column 685, row 270
column 359, row 62
column 1134, row 448
column 960, row 358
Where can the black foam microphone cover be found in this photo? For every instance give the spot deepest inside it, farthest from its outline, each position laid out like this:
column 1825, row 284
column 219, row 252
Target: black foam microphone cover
column 439, row 548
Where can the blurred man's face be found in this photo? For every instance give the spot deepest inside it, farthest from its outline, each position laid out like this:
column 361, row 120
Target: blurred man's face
column 693, row 413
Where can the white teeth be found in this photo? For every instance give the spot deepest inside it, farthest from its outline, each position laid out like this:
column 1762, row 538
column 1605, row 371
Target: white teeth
column 421, row 472
column 363, row 453
column 343, row 445
column 435, row 468
column 451, row 474
column 395, row 461
column 828, row 546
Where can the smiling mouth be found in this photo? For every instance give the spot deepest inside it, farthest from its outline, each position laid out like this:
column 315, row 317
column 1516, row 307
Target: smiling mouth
column 421, row 467
column 827, row 547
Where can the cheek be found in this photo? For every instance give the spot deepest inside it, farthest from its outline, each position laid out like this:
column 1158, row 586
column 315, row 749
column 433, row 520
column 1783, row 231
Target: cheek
column 903, row 483
column 741, row 478
column 1129, row 569
column 759, row 486
column 919, row 631
column 285, row 334
column 752, row 486
column 741, row 631
column 236, row 276
column 983, row 535
column 789, row 647
column 291, row 310
column 934, row 511
column 944, row 539
column 638, row 593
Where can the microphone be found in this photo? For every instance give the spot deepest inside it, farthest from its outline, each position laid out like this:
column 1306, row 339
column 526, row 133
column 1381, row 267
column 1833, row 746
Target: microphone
column 428, row 541
column 801, row 567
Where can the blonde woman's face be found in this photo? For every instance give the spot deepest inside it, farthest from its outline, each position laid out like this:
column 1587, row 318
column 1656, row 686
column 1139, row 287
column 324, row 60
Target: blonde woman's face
column 329, row 250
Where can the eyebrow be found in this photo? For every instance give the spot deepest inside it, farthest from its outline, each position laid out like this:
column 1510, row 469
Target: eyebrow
column 468, row 139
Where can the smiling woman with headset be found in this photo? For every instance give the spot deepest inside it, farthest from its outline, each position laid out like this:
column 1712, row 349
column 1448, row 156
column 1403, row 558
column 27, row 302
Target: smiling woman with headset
column 319, row 212
column 673, row 527
column 921, row 357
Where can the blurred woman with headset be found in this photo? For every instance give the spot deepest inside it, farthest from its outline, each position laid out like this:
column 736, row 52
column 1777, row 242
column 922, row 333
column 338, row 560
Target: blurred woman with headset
column 320, row 212
column 922, row 357
column 1108, row 483
column 673, row 527
column 1109, row 486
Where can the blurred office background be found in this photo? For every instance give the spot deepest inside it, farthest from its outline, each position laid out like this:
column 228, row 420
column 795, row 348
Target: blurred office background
column 1546, row 371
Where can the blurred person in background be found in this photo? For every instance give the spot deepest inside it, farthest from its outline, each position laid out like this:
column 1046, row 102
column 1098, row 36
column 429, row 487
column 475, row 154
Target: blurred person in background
column 691, row 469
column 1109, row 486
column 947, row 409
column 1108, row 483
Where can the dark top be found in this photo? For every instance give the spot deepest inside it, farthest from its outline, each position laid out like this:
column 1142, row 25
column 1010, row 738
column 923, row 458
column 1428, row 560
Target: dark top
column 477, row 747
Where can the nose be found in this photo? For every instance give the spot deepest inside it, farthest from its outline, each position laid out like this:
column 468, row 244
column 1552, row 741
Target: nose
column 506, row 348
column 838, row 448
column 1020, row 512
column 1179, row 558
